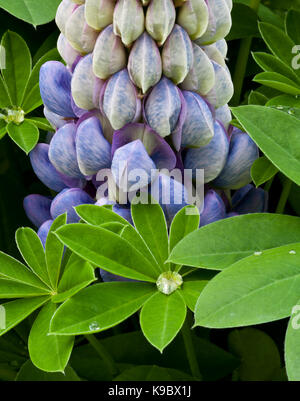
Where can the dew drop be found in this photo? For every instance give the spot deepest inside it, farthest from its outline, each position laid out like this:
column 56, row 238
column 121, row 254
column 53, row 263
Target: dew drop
column 257, row 253
column 279, row 107
column 94, row 326
column 292, row 252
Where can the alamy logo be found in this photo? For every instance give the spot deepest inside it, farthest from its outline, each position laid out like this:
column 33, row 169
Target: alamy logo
column 2, row 318
column 296, row 59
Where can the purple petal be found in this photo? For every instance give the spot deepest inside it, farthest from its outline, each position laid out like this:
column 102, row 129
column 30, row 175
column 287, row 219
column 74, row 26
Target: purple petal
column 254, row 201
column 162, row 107
column 214, row 209
column 108, row 277
column 66, row 200
column 242, row 154
column 121, row 104
column 177, row 133
column 198, row 128
column 43, row 168
column 130, row 157
column 37, row 208
column 158, row 149
column 62, row 151
column 93, row 150
column 55, row 88
column 211, row 157
column 55, row 120
column 44, row 230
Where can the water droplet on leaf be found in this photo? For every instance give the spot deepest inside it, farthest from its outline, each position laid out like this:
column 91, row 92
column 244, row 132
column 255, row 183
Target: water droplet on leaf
column 94, row 326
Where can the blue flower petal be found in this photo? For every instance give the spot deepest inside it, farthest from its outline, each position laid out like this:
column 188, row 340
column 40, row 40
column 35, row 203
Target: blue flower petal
column 198, row 128
column 162, row 107
column 211, row 157
column 43, row 168
column 62, row 151
column 130, row 157
column 55, row 88
column 37, row 208
column 242, row 154
column 93, row 150
column 66, row 200
column 158, row 149
column 44, row 231
column 214, row 209
column 254, row 201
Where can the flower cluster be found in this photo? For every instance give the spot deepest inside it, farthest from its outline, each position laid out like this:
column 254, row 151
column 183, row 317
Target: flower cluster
column 144, row 86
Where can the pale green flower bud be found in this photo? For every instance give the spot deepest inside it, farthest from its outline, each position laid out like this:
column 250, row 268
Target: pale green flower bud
column 160, row 19
column 129, row 20
column 201, row 77
column 99, row 13
column 193, row 17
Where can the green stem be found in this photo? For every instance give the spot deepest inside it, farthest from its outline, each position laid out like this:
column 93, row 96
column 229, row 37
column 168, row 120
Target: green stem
column 242, row 61
column 268, row 185
column 104, row 355
column 190, row 350
column 287, row 186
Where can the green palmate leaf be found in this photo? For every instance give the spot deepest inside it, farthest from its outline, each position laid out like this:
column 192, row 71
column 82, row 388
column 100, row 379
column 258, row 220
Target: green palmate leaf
column 262, row 170
column 41, row 123
column 31, row 11
column 131, row 235
column 260, row 288
column 162, row 317
column 257, row 98
column 259, row 355
column 32, row 95
column 284, row 101
column 270, row 63
column 276, row 134
column 292, row 25
column 12, row 269
column 25, row 135
column 96, row 216
column 277, row 81
column 184, row 222
column 58, row 348
column 150, row 222
column 220, row 244
column 77, row 275
column 99, row 216
column 29, row 372
column 152, row 373
column 4, row 98
column 54, row 250
column 16, row 311
column 33, row 99
column 292, row 345
column 13, row 289
column 107, row 250
column 32, row 251
column 191, row 290
column 278, row 42
column 17, row 66
column 100, row 307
